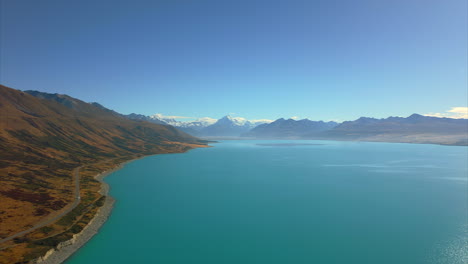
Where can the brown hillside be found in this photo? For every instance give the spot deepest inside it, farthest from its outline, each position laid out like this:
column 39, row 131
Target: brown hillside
column 43, row 140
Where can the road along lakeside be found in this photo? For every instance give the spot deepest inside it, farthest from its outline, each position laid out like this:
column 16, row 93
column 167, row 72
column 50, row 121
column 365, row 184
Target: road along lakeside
column 66, row 249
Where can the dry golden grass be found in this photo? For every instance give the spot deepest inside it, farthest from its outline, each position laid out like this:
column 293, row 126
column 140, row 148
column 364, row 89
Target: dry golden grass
column 41, row 143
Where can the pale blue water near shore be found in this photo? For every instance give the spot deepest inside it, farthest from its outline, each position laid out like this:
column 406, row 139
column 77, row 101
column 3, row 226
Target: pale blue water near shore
column 240, row 202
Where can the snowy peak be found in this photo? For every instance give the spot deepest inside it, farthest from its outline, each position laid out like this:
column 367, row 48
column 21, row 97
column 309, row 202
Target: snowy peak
column 237, row 121
column 206, row 126
column 240, row 121
column 198, row 123
column 162, row 118
column 206, row 121
column 231, row 126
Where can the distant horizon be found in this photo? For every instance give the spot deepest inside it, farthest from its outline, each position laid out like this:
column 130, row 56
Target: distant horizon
column 456, row 112
column 191, row 119
column 453, row 112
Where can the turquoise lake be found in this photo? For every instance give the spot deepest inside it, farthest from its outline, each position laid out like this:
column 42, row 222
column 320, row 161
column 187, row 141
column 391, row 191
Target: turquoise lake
column 289, row 202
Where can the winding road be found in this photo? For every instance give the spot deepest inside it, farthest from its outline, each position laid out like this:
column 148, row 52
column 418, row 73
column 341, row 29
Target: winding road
column 70, row 207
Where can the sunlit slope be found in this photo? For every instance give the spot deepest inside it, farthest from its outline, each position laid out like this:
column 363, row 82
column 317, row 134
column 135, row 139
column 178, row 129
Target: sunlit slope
column 42, row 140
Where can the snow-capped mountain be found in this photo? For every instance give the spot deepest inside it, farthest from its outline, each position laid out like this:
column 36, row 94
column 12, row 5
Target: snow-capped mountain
column 243, row 122
column 166, row 120
column 197, row 123
column 231, row 126
column 228, row 126
column 206, row 126
column 413, row 129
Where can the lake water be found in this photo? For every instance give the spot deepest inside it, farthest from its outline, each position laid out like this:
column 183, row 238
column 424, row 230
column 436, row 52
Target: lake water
column 289, row 202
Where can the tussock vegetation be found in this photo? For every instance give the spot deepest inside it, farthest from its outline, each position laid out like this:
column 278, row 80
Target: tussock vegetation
column 43, row 138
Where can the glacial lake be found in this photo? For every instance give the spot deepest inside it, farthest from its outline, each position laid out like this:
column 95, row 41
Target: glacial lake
column 291, row 202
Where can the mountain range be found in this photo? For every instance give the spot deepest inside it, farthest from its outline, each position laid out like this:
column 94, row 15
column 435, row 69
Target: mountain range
column 289, row 128
column 227, row 126
column 413, row 129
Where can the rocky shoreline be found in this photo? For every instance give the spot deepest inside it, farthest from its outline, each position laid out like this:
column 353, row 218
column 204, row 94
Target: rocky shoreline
column 67, row 248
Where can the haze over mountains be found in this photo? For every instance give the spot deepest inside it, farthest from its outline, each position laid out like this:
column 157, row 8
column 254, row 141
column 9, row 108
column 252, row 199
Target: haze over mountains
column 413, row 129
column 290, row 128
column 227, row 126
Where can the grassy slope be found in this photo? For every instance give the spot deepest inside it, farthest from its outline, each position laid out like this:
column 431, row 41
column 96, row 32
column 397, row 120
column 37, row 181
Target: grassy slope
column 42, row 141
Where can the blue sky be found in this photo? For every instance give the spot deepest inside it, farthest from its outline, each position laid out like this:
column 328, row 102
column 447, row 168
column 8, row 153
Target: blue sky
column 257, row 59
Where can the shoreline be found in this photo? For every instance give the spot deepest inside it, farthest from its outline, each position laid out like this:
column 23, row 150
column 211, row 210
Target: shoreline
column 67, row 248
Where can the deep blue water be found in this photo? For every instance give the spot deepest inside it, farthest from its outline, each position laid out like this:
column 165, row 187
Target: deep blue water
column 240, row 202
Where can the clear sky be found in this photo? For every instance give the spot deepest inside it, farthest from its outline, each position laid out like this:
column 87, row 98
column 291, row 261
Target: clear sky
column 323, row 59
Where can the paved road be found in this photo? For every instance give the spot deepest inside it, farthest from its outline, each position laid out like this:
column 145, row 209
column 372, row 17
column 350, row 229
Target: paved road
column 76, row 201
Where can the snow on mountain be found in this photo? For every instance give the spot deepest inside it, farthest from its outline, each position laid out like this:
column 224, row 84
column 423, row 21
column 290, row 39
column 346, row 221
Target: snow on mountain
column 238, row 121
column 243, row 122
column 199, row 122
column 206, row 126
column 208, row 121
column 165, row 119
column 257, row 122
